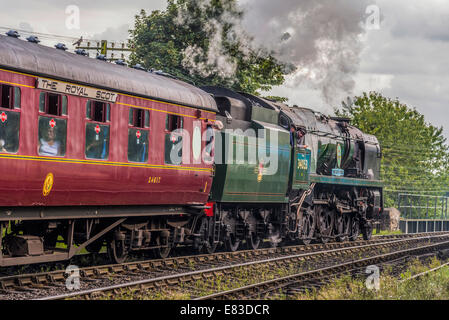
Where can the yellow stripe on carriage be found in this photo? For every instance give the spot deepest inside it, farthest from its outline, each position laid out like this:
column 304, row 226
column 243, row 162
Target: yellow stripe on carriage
column 104, row 163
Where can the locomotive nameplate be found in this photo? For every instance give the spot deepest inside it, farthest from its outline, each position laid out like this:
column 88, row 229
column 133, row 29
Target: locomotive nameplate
column 76, row 90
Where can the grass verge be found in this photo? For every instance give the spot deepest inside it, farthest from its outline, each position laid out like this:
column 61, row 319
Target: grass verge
column 433, row 286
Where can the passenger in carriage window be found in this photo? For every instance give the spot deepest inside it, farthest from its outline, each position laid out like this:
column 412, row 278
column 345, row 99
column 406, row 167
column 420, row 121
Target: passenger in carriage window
column 52, row 136
column 9, row 132
column 8, row 141
column 97, row 141
column 48, row 145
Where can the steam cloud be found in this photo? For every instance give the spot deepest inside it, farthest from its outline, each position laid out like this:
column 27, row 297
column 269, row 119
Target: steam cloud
column 321, row 40
column 215, row 60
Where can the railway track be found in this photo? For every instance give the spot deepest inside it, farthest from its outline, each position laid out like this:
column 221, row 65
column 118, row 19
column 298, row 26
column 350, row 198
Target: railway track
column 224, row 276
column 315, row 283
column 26, row 286
column 314, row 279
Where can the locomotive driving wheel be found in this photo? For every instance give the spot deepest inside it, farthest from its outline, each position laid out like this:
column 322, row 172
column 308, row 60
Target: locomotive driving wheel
column 339, row 227
column 367, row 231
column 325, row 223
column 354, row 229
column 342, row 226
column 346, row 221
column 307, row 227
column 253, row 241
column 232, row 243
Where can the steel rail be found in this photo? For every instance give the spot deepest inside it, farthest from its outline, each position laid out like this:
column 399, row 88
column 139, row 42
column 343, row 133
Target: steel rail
column 44, row 278
column 184, row 277
column 321, row 280
column 287, row 281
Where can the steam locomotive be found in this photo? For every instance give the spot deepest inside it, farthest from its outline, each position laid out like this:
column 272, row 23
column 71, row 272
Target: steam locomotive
column 94, row 153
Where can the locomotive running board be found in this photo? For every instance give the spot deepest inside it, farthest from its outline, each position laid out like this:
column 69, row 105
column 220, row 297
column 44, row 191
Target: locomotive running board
column 346, row 181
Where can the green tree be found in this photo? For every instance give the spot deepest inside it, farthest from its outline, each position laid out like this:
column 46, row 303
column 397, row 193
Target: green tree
column 202, row 42
column 414, row 152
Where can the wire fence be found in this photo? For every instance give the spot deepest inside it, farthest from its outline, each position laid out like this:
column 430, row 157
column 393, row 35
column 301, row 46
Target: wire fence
column 418, row 206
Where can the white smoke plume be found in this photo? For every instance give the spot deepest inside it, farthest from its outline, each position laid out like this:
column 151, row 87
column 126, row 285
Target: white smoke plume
column 216, row 61
column 322, row 39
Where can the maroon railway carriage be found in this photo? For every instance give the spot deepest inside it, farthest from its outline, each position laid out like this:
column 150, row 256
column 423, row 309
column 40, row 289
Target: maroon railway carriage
column 85, row 151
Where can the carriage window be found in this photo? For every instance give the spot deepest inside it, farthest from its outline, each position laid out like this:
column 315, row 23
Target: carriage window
column 88, row 110
column 173, row 122
column 52, row 126
column 139, row 118
column 173, row 140
column 17, row 98
column 98, row 111
column 97, row 130
column 137, row 145
column 9, row 118
column 283, row 121
column 139, row 121
column 97, row 141
column 9, row 131
column 54, row 104
column 42, row 96
column 52, row 136
column 9, row 97
column 64, row 105
column 173, row 149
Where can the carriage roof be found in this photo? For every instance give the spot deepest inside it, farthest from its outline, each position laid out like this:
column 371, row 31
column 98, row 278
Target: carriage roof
column 27, row 57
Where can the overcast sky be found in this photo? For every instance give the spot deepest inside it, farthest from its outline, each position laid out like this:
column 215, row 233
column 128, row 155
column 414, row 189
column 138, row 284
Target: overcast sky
column 406, row 58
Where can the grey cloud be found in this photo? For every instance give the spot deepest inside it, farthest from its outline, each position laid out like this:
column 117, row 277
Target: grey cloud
column 48, row 16
column 416, row 64
column 386, row 53
column 428, row 94
column 111, row 33
column 98, row 6
column 416, row 18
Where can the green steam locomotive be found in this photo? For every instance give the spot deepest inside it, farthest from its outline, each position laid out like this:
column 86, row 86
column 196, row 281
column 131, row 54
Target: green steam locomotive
column 288, row 174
